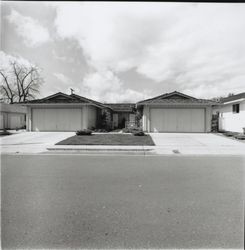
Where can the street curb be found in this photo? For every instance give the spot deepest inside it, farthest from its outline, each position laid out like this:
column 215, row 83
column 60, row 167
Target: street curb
column 98, row 149
column 109, row 151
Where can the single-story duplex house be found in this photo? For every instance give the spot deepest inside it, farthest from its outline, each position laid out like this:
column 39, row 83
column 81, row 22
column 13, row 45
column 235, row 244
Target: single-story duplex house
column 12, row 116
column 62, row 112
column 231, row 111
column 171, row 112
column 176, row 112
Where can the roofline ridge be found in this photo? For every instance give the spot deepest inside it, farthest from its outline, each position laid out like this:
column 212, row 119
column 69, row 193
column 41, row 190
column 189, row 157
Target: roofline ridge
column 169, row 94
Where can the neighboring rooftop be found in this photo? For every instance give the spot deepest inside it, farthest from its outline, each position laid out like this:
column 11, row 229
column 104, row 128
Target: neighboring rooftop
column 232, row 97
column 121, row 107
column 175, row 98
column 12, row 108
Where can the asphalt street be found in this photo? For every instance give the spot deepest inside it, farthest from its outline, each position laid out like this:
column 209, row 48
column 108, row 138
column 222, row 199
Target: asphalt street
column 78, row 201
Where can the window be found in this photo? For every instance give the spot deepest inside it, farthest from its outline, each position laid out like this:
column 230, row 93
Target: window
column 235, row 108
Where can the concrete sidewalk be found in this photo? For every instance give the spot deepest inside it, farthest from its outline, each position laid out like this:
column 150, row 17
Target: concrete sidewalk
column 148, row 150
column 166, row 144
column 169, row 144
column 197, row 143
column 31, row 142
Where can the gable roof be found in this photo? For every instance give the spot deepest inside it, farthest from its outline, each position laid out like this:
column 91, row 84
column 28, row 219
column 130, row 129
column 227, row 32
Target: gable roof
column 82, row 98
column 233, row 98
column 64, row 98
column 176, row 98
column 121, row 107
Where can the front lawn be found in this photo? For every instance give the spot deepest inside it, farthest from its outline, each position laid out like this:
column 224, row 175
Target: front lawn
column 109, row 139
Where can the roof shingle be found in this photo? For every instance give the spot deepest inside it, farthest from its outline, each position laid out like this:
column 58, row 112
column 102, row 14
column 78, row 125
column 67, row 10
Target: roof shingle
column 64, row 98
column 121, row 107
column 233, row 97
column 176, row 98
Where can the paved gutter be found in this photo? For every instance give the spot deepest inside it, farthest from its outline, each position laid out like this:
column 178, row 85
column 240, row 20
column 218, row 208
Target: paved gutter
column 100, row 148
column 147, row 150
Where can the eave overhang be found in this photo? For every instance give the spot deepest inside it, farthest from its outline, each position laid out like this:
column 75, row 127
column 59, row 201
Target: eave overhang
column 175, row 104
column 234, row 101
column 57, row 104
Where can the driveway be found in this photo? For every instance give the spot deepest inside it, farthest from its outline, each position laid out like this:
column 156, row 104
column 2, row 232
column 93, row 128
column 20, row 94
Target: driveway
column 31, row 142
column 166, row 143
column 196, row 143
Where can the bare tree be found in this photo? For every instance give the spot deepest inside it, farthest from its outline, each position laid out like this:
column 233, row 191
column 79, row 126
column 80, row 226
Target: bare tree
column 20, row 82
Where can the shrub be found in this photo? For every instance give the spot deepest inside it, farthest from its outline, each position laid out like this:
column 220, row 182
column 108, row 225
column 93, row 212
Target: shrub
column 84, row 132
column 100, row 130
column 131, row 130
column 229, row 133
column 139, row 133
column 5, row 132
column 134, row 131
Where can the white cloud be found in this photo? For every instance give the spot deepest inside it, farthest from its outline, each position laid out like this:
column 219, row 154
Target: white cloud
column 32, row 32
column 7, row 59
column 65, row 84
column 106, row 87
column 197, row 47
column 62, row 58
column 61, row 77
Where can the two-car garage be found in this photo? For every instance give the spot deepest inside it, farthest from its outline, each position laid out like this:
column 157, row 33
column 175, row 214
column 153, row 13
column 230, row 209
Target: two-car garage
column 176, row 112
column 56, row 119
column 62, row 112
column 177, row 120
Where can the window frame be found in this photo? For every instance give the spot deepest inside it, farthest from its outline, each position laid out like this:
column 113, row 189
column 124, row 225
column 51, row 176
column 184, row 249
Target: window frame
column 236, row 108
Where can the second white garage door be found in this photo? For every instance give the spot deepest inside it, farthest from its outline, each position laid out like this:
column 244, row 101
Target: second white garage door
column 177, row 120
column 56, row 119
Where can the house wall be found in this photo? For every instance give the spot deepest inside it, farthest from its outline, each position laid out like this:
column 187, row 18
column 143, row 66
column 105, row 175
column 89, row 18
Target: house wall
column 12, row 116
column 92, row 117
column 147, row 110
column 146, row 119
column 208, row 119
column 12, row 120
column 230, row 121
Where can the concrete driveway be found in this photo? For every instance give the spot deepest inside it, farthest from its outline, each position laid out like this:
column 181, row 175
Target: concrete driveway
column 31, row 142
column 196, row 143
column 166, row 143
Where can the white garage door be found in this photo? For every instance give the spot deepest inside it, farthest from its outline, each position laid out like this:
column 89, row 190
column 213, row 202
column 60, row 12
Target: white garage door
column 177, row 120
column 56, row 119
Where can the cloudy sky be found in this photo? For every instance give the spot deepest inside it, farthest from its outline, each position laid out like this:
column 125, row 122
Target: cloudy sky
column 115, row 52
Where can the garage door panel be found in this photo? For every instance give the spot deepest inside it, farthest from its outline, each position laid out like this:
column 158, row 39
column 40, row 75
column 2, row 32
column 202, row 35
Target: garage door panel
column 170, row 119
column 198, row 120
column 183, row 120
column 37, row 119
column 177, row 120
column 56, row 119
column 50, row 119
